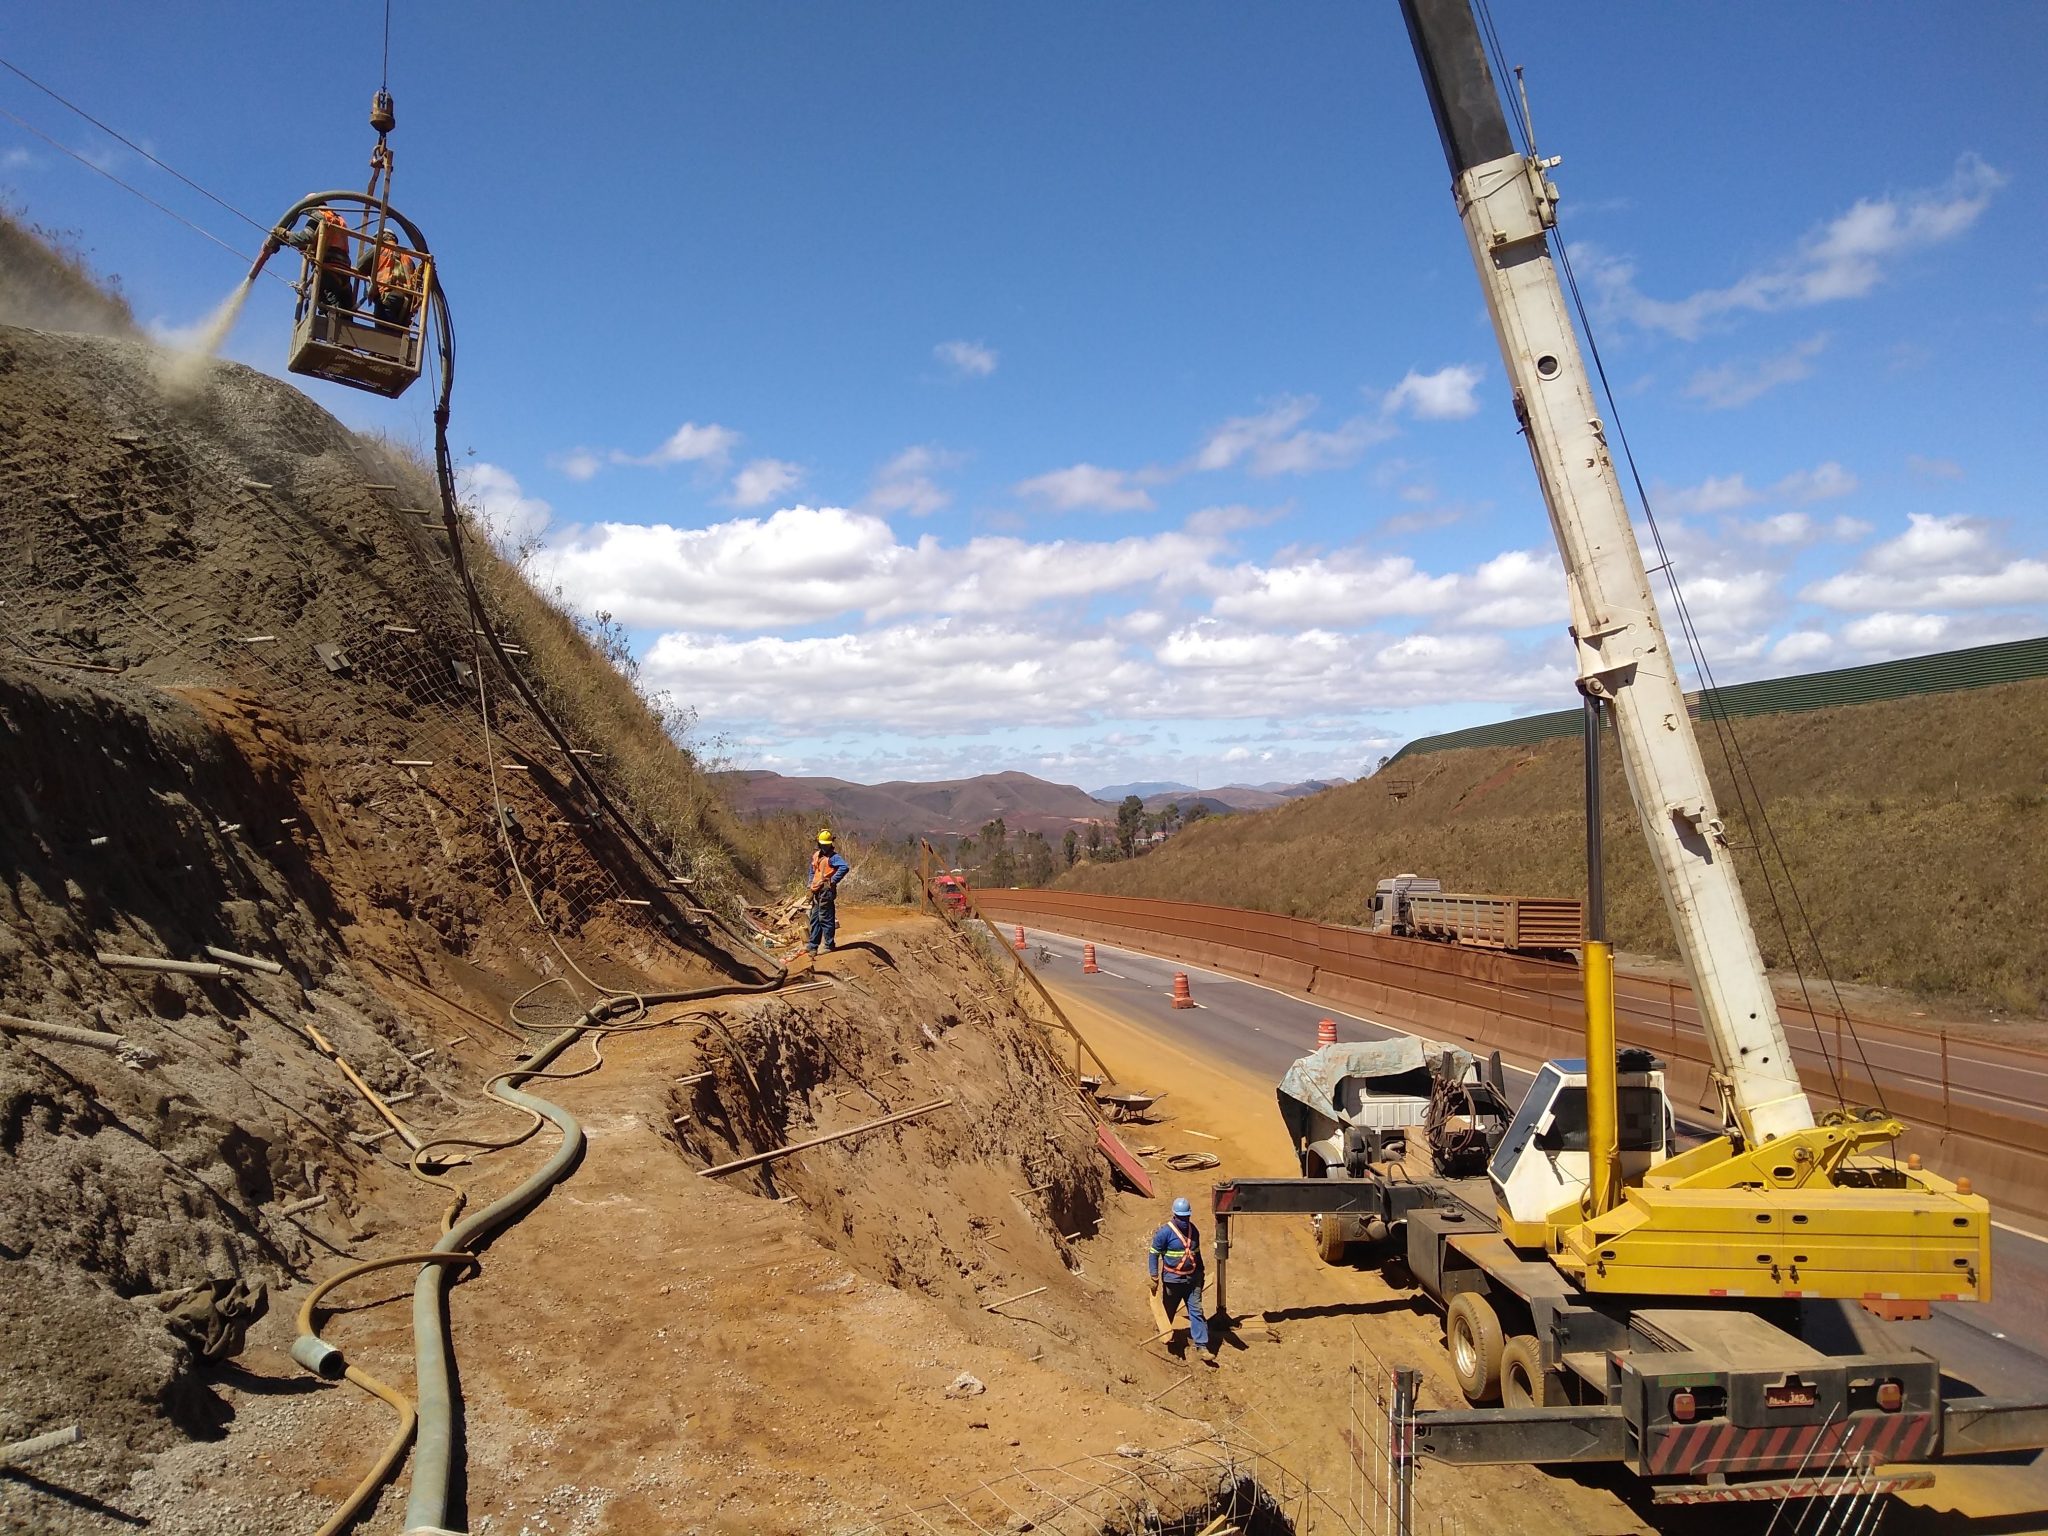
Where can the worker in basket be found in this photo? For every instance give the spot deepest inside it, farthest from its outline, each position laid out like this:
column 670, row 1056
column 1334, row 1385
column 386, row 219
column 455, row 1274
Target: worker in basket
column 1174, row 1260
column 828, row 868
column 337, row 274
column 393, row 275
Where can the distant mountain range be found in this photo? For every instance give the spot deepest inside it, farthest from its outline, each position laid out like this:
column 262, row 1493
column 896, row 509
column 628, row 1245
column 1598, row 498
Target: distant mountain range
column 956, row 807
column 952, row 807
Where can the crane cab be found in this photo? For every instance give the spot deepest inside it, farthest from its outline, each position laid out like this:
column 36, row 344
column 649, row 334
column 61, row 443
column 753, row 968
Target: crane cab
column 1544, row 1159
column 362, row 313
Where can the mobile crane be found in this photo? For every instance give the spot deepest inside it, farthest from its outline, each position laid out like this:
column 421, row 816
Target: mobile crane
column 1687, row 1312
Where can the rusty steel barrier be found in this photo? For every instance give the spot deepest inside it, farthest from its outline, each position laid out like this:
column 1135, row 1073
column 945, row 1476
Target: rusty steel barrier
column 1966, row 1114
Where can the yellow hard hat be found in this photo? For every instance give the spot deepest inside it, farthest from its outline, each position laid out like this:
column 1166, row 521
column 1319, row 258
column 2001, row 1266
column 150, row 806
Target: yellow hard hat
column 825, row 837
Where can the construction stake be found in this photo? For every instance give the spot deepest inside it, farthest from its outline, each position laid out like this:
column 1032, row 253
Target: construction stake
column 1018, row 1297
column 246, row 962
column 150, row 963
column 56, row 1439
column 819, row 1141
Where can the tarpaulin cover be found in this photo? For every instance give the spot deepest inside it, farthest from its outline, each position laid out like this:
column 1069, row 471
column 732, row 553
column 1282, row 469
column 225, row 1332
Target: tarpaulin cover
column 1312, row 1094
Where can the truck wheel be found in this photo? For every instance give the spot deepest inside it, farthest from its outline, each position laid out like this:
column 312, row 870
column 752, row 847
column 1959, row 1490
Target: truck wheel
column 1330, row 1244
column 1524, row 1383
column 1473, row 1334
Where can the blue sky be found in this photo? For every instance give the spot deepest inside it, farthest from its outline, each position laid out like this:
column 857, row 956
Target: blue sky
column 1105, row 391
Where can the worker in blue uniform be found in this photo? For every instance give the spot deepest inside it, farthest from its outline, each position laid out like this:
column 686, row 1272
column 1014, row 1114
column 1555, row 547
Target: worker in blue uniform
column 1174, row 1261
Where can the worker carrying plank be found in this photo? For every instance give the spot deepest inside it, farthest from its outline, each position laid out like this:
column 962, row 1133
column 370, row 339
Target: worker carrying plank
column 1174, row 1261
column 828, row 868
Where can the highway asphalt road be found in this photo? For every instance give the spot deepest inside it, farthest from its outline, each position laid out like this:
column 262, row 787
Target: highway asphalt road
column 1997, row 1348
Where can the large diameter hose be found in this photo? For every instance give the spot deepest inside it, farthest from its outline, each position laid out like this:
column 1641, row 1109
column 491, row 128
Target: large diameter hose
column 427, row 1511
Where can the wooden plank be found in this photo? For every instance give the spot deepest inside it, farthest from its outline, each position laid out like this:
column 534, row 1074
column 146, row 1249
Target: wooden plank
column 1121, row 1160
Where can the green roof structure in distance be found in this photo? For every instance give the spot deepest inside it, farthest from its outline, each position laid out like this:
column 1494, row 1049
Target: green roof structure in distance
column 1979, row 666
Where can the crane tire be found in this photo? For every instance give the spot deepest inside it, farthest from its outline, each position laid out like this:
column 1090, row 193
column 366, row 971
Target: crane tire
column 1330, row 1244
column 1472, row 1332
column 1524, row 1383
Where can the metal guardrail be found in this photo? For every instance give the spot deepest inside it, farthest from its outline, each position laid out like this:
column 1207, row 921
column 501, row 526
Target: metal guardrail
column 1966, row 1101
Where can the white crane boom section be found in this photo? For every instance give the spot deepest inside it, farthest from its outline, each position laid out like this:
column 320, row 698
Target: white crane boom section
column 1507, row 206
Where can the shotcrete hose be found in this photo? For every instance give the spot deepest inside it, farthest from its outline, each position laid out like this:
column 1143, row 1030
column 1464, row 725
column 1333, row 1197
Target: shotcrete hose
column 427, row 1507
column 328, row 1363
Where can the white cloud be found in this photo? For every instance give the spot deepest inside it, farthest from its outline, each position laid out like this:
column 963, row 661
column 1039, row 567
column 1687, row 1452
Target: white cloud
column 1716, row 493
column 905, row 483
column 806, row 564
column 967, row 359
column 1938, row 562
column 1088, row 487
column 1897, row 634
column 1823, row 482
column 1737, row 383
column 1844, row 258
column 1513, row 590
column 1276, row 442
column 1449, row 394
column 1780, row 528
column 579, row 464
column 760, row 481
column 510, row 518
column 1802, row 648
column 688, row 444
column 15, row 158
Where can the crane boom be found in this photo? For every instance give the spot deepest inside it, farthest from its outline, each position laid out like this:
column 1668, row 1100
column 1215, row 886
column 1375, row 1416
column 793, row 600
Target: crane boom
column 1507, row 205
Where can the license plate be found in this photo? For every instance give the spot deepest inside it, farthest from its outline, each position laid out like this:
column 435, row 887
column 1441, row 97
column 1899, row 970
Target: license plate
column 1793, row 1394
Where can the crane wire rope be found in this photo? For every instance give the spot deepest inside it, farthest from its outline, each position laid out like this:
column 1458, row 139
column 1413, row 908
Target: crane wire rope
column 1749, row 798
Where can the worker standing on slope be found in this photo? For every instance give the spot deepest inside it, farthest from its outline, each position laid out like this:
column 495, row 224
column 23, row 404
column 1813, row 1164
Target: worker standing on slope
column 827, row 870
column 1174, row 1261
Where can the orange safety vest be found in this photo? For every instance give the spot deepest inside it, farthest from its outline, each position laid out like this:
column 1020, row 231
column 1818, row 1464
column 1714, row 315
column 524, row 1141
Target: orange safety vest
column 337, row 255
column 396, row 271
column 1182, row 1261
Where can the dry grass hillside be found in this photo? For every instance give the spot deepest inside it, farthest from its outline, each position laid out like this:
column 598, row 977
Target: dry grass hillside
column 1914, row 828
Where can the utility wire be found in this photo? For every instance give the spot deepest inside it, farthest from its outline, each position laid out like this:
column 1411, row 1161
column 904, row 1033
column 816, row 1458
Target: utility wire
column 197, row 229
column 71, row 106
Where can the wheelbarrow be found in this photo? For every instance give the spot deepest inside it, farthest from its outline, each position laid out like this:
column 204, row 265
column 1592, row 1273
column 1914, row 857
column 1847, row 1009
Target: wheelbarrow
column 1128, row 1106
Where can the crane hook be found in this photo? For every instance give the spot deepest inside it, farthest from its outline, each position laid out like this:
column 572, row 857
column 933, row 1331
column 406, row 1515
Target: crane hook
column 383, row 115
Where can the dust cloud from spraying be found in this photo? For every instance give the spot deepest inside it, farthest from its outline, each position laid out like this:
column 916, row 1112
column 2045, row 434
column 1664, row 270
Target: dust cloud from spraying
column 188, row 353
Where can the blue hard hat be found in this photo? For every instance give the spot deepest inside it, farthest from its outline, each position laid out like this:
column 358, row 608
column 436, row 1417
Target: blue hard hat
column 1182, row 1208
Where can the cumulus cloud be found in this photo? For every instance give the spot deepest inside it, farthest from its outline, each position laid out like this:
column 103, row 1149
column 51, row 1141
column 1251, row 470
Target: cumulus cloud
column 966, row 359
column 511, row 519
column 1823, row 482
column 905, row 483
column 1802, row 648
column 1938, row 562
column 1845, row 258
column 1449, row 394
column 1716, row 493
column 1513, row 590
column 1088, row 487
column 806, row 564
column 1276, row 441
column 760, row 481
column 1734, row 384
column 688, row 444
column 579, row 464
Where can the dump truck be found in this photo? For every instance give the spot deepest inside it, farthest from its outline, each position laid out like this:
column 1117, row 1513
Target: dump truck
column 1418, row 907
column 1609, row 1293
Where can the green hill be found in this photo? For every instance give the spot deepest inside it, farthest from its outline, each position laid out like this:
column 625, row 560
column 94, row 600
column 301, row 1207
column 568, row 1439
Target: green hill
column 1914, row 828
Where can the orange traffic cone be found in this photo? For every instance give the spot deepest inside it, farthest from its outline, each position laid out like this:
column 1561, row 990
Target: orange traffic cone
column 1088, row 965
column 1180, row 991
column 1020, row 936
column 1326, row 1031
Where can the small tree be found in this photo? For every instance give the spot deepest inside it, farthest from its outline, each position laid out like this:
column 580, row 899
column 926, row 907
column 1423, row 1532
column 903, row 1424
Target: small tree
column 1035, row 866
column 1001, row 862
column 1171, row 818
column 1070, row 848
column 1094, row 839
column 1130, row 820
